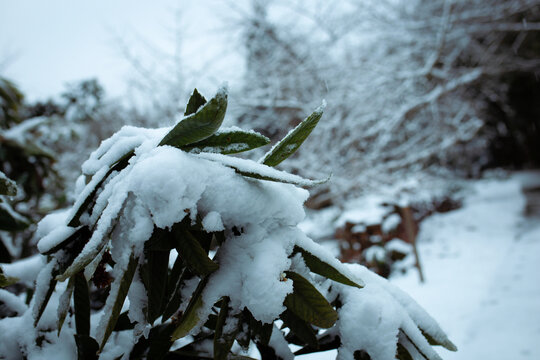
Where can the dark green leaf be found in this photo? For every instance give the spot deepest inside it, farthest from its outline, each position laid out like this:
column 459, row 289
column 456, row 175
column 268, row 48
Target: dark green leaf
column 123, row 322
column 224, row 335
column 290, row 143
column 87, row 347
column 6, row 280
column 308, row 303
column 81, row 300
column 93, row 187
column 196, row 100
column 7, row 186
column 81, row 235
column 161, row 240
column 179, row 274
column 326, row 342
column 190, row 318
column 229, row 142
column 322, row 268
column 124, row 284
column 257, row 330
column 154, row 274
column 200, row 125
column 64, row 303
column 192, row 253
column 300, row 328
column 41, row 304
column 402, row 353
column 159, row 341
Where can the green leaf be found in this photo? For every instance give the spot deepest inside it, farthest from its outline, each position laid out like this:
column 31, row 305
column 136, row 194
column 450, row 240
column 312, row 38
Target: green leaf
column 154, row 274
column 87, row 347
column 261, row 172
column 160, row 341
column 308, row 303
column 50, row 283
column 300, row 328
column 225, row 332
column 64, row 304
column 93, row 186
column 82, row 235
column 191, row 318
column 229, row 142
column 402, row 353
column 123, row 322
column 6, row 280
column 290, row 143
column 196, row 100
column 177, row 277
column 322, row 268
column 119, row 298
column 7, row 186
column 80, row 262
column 161, row 240
column 81, row 300
column 326, row 342
column 192, row 253
column 257, row 330
column 200, row 125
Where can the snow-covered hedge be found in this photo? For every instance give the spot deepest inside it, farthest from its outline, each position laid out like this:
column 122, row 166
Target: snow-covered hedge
column 205, row 249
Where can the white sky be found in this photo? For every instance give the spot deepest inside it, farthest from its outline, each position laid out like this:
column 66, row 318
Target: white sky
column 46, row 44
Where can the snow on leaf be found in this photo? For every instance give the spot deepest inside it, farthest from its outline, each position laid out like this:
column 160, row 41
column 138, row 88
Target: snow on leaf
column 254, row 170
column 228, row 142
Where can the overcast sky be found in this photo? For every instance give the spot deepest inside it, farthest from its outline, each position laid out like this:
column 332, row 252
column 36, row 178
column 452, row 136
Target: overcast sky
column 46, row 44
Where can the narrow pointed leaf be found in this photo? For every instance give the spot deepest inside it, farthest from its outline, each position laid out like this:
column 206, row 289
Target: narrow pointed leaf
column 225, row 331
column 200, row 125
column 154, row 276
column 322, row 268
column 118, row 300
column 290, row 143
column 402, row 353
column 81, row 300
column 80, row 262
column 259, row 171
column 192, row 253
column 300, row 328
column 179, row 274
column 196, row 100
column 64, row 303
column 191, row 318
column 229, row 142
column 308, row 303
column 87, row 347
column 45, row 278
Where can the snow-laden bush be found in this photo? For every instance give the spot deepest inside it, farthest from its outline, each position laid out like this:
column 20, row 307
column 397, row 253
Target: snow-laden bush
column 206, row 249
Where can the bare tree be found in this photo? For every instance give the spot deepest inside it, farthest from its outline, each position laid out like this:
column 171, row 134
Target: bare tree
column 406, row 83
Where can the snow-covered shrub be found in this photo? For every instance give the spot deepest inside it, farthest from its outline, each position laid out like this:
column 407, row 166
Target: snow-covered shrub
column 206, row 249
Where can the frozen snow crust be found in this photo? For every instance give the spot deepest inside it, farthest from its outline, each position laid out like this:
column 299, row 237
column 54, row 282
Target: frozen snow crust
column 260, row 268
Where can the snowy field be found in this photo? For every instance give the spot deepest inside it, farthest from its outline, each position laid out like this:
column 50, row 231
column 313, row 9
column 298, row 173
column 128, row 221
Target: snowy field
column 482, row 281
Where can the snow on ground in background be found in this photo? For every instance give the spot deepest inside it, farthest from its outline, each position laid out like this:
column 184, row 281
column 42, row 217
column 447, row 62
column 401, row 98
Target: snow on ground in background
column 481, row 268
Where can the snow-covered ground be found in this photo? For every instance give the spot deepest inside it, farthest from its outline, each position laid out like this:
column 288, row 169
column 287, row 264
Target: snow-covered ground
column 482, row 273
column 481, row 264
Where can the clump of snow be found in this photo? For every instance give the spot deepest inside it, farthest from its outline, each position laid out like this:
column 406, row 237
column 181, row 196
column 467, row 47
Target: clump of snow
column 212, row 222
column 391, row 223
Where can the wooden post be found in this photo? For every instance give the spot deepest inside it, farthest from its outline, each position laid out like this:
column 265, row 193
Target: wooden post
column 410, row 231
